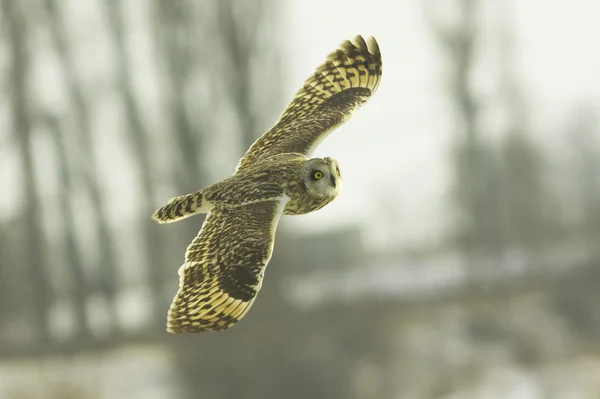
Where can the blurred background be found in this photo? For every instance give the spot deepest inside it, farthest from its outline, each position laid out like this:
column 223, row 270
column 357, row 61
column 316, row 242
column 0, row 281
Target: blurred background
column 461, row 260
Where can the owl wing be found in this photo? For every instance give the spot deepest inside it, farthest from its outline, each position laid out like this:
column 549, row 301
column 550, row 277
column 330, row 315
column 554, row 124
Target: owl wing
column 345, row 81
column 224, row 267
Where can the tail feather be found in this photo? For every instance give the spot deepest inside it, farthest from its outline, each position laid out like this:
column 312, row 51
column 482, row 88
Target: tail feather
column 181, row 207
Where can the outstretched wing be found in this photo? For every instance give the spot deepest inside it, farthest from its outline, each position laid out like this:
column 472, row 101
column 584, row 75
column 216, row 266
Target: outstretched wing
column 346, row 80
column 224, row 267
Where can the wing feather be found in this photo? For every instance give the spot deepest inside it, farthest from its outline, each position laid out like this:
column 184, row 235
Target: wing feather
column 224, row 266
column 345, row 81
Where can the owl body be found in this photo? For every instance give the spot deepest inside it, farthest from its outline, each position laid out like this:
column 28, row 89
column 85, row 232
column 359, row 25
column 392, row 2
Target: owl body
column 308, row 184
column 224, row 265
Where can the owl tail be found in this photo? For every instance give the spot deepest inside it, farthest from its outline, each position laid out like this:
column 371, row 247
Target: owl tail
column 181, row 207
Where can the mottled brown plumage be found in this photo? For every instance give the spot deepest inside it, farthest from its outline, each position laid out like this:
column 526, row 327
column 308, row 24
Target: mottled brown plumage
column 266, row 180
column 224, row 265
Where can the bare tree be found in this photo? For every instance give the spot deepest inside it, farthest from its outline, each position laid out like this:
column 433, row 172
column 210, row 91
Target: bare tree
column 583, row 134
column 138, row 141
column 6, row 259
column 87, row 162
column 526, row 197
column 249, row 63
column 15, row 16
column 476, row 171
column 530, row 216
column 179, row 50
column 79, row 283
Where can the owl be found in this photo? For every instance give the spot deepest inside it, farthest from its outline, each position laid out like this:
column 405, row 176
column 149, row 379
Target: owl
column 225, row 264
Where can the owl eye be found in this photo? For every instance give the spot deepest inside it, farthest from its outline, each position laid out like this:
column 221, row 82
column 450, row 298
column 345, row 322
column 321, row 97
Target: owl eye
column 317, row 175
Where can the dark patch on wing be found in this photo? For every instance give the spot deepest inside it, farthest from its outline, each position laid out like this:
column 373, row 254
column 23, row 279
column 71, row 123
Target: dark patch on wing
column 224, row 267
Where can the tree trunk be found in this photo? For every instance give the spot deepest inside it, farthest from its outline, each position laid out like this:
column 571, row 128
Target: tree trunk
column 79, row 288
column 139, row 146
column 20, row 102
column 178, row 52
column 107, row 262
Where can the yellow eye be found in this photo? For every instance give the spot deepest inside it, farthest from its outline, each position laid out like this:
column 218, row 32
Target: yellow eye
column 317, row 175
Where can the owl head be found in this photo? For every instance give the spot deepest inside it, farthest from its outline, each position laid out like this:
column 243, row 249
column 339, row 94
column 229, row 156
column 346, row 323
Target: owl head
column 322, row 177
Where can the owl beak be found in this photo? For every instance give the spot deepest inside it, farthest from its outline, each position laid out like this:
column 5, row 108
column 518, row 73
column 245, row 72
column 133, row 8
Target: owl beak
column 332, row 179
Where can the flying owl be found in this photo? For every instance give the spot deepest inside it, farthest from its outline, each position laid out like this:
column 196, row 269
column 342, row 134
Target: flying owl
column 225, row 264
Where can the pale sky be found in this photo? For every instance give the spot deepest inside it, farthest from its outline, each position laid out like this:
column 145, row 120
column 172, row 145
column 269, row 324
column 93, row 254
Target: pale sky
column 396, row 145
